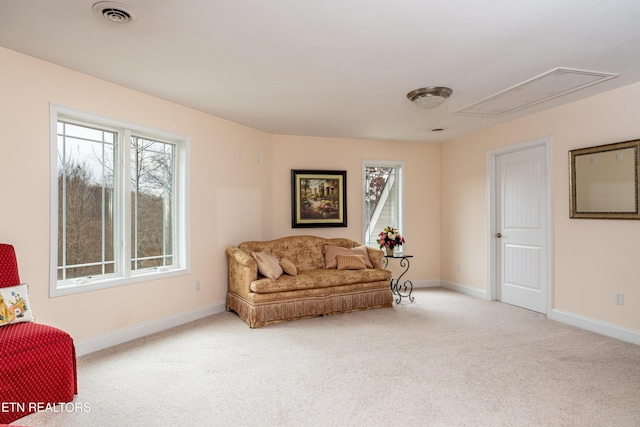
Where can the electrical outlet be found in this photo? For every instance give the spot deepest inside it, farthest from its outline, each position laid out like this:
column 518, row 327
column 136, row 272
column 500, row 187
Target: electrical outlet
column 618, row 298
column 197, row 285
column 457, row 267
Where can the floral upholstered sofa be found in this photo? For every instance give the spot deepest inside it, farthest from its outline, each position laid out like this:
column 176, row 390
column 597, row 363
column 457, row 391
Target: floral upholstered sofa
column 304, row 276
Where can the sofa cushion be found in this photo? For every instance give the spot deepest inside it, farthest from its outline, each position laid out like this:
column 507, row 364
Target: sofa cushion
column 268, row 266
column 331, row 251
column 288, row 267
column 319, row 278
column 350, row 262
column 304, row 251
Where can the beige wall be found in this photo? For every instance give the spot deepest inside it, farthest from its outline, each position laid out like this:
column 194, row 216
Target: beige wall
column 230, row 197
column 422, row 188
column 592, row 259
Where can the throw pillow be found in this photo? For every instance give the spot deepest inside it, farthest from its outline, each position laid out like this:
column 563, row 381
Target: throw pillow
column 268, row 266
column 14, row 305
column 350, row 262
column 330, row 253
column 288, row 267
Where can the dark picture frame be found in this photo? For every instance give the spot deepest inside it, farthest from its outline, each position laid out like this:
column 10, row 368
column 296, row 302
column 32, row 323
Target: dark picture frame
column 318, row 198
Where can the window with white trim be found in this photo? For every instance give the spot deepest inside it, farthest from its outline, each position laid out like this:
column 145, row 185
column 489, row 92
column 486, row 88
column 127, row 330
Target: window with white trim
column 383, row 198
column 118, row 203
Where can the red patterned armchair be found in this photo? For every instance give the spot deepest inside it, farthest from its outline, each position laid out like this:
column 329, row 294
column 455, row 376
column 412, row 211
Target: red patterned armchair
column 37, row 362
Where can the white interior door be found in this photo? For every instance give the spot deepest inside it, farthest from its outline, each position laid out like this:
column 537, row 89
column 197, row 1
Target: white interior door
column 521, row 228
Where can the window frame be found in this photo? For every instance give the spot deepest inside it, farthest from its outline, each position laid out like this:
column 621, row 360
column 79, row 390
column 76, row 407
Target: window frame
column 400, row 165
column 122, row 200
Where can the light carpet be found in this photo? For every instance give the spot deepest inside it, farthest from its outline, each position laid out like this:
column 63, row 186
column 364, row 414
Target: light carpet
column 447, row 359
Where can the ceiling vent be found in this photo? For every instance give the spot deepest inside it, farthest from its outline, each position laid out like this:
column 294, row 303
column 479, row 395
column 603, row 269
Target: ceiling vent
column 547, row 86
column 115, row 12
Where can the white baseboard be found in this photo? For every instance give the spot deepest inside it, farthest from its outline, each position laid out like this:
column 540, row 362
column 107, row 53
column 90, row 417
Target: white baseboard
column 464, row 289
column 118, row 337
column 426, row 283
column 597, row 326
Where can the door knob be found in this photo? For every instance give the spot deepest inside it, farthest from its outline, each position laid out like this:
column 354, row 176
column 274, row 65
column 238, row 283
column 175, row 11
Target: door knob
column 498, row 235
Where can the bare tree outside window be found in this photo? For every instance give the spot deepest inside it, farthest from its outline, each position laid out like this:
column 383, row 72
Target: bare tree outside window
column 376, row 180
column 152, row 203
column 86, row 202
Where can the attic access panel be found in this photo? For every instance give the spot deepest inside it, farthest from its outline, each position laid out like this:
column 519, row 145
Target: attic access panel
column 547, row 86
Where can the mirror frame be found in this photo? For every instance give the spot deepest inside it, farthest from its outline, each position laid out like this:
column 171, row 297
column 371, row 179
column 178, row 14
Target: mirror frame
column 573, row 184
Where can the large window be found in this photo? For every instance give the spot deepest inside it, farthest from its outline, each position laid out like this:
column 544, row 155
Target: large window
column 383, row 198
column 118, row 203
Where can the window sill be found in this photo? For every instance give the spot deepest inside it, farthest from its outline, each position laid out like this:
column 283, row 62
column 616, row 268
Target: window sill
column 71, row 287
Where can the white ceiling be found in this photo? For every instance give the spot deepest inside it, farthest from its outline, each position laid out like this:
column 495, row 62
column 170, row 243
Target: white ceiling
column 334, row 68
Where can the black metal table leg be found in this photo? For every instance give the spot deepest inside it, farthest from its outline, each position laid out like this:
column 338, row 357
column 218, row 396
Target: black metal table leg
column 399, row 288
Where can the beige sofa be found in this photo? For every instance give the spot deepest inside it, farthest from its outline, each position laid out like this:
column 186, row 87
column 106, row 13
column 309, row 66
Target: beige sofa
column 310, row 289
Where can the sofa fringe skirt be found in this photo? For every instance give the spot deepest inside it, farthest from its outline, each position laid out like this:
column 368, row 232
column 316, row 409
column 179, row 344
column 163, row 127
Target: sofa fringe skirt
column 264, row 313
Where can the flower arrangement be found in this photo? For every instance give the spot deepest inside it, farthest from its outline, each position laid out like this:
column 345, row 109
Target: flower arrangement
column 390, row 237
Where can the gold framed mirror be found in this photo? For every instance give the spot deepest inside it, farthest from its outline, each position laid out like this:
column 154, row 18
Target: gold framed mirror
column 603, row 181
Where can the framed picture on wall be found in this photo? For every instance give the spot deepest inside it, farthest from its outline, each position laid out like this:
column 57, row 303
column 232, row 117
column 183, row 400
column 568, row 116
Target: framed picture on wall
column 318, row 198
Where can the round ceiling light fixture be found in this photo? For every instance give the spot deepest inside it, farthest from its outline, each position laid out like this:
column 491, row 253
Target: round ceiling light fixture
column 430, row 97
column 115, row 12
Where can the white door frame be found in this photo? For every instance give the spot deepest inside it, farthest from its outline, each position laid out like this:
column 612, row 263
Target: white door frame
column 492, row 272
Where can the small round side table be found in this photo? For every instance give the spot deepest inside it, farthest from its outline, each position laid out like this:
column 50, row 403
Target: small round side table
column 404, row 289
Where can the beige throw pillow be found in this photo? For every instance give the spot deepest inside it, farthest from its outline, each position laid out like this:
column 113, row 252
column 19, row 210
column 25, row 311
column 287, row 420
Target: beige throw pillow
column 330, row 253
column 268, row 266
column 350, row 262
column 288, row 267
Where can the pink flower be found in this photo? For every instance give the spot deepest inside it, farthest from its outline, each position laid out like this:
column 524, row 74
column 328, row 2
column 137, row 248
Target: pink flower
column 390, row 237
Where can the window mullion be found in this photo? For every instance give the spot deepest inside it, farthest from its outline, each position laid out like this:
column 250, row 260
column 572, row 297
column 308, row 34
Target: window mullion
column 103, row 211
column 125, row 219
column 64, row 204
column 179, row 206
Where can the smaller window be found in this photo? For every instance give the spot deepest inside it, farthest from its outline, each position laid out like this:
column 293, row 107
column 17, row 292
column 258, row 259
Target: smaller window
column 383, row 198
